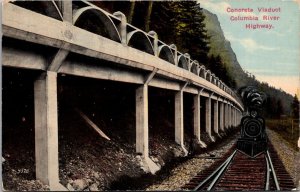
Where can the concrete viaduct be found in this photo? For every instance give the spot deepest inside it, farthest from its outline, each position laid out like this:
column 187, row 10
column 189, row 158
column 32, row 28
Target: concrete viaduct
column 146, row 61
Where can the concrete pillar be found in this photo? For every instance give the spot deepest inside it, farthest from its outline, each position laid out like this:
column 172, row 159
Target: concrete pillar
column 142, row 120
column 208, row 116
column 236, row 118
column 179, row 129
column 230, row 115
column 216, row 116
column 197, row 116
column 142, row 131
column 179, row 118
column 46, row 128
column 221, row 116
column 226, row 115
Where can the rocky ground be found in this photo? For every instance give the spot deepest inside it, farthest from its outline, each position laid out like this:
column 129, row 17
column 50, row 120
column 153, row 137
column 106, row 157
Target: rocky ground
column 185, row 171
column 87, row 161
column 289, row 156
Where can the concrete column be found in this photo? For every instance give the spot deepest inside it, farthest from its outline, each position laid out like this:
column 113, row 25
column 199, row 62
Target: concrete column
column 208, row 116
column 179, row 118
column 46, row 128
column 230, row 116
column 236, row 118
column 216, row 116
column 142, row 120
column 142, row 130
column 179, row 129
column 226, row 115
column 222, row 116
column 197, row 116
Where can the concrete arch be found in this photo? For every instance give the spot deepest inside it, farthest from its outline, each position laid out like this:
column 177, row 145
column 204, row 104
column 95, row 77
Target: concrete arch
column 202, row 72
column 208, row 75
column 139, row 40
column 183, row 62
column 194, row 67
column 213, row 78
column 96, row 21
column 165, row 53
column 217, row 81
column 48, row 8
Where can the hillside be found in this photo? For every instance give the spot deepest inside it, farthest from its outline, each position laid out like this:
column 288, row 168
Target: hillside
column 220, row 46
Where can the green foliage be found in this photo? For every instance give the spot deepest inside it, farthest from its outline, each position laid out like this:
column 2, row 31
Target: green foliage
column 216, row 65
column 198, row 32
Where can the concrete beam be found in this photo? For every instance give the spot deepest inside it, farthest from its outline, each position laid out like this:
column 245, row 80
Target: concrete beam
column 46, row 128
column 17, row 25
column 58, row 59
column 19, row 58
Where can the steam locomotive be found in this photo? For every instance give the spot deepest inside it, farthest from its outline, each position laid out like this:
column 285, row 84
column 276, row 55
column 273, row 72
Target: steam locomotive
column 253, row 140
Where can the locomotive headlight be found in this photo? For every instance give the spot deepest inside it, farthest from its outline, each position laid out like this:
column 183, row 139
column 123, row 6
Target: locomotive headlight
column 252, row 127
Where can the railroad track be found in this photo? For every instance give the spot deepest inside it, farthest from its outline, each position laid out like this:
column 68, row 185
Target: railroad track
column 237, row 171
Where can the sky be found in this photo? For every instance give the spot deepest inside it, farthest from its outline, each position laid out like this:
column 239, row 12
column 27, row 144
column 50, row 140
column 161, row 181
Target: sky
column 271, row 55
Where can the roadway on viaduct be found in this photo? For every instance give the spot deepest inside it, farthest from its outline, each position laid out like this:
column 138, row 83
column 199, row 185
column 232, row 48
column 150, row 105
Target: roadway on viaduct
column 135, row 57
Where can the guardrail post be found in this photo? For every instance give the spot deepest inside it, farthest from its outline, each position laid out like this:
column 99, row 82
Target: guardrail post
column 155, row 41
column 173, row 46
column 122, row 27
column 46, row 128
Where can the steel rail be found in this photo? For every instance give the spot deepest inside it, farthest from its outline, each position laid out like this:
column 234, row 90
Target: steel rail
column 229, row 160
column 273, row 171
column 267, row 187
column 225, row 163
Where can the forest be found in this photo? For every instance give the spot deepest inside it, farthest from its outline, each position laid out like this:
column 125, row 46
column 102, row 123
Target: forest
column 183, row 23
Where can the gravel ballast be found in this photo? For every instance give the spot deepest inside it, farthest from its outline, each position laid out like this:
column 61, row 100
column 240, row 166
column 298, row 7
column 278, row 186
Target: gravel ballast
column 289, row 156
column 183, row 173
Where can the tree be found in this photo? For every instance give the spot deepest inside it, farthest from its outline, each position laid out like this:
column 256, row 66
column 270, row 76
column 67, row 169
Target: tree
column 191, row 35
column 148, row 16
column 295, row 107
column 279, row 109
column 131, row 12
